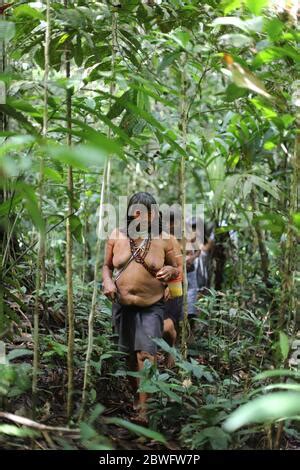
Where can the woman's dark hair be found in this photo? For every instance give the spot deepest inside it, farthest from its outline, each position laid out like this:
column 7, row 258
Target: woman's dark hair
column 148, row 201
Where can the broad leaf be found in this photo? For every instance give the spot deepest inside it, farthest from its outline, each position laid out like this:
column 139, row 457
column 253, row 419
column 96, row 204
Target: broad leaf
column 265, row 409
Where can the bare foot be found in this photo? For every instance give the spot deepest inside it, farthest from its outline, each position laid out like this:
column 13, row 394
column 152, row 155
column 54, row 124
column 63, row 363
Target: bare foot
column 170, row 361
column 140, row 418
column 140, row 409
column 136, row 402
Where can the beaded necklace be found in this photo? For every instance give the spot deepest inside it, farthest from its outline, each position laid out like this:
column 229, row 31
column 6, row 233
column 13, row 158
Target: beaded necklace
column 140, row 254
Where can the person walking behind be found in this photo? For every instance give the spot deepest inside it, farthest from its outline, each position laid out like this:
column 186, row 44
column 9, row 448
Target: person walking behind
column 174, row 305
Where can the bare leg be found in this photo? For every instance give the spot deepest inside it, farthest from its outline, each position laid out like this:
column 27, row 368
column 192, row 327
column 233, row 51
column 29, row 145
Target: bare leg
column 141, row 357
column 133, row 381
column 170, row 336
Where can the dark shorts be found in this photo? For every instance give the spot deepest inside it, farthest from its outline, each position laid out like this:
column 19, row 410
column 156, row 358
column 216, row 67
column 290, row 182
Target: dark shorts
column 136, row 326
column 174, row 309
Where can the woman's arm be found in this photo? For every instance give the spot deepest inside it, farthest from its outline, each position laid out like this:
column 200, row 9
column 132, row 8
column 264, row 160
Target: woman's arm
column 170, row 270
column 178, row 253
column 109, row 287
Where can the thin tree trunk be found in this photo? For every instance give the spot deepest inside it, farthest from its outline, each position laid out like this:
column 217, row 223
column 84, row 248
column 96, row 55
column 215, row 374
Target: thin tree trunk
column 220, row 259
column 70, row 305
column 94, row 299
column 3, row 60
column 264, row 258
column 41, row 270
column 2, row 192
column 69, row 250
column 288, row 303
column 85, row 248
column 183, row 125
column 111, row 91
column 105, row 184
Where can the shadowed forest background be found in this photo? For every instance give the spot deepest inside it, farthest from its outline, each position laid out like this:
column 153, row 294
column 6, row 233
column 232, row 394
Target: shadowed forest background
column 191, row 101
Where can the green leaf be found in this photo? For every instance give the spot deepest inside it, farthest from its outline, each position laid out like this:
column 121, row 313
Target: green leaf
column 76, row 227
column 23, row 105
column 19, row 117
column 273, row 28
column 98, row 139
column 273, row 53
column 251, row 25
column 7, row 30
column 265, row 409
column 26, row 10
column 269, row 145
column 11, row 430
column 294, row 387
column 272, row 222
column 119, row 104
column 266, row 110
column 269, row 187
column 296, row 219
column 287, row 120
column 31, row 205
column 182, row 38
column 217, row 438
column 81, row 156
column 16, row 353
column 230, row 5
column 117, row 130
column 93, row 395
column 235, row 40
column 163, row 132
column 78, row 52
column 130, row 38
column 230, row 21
column 265, row 56
column 39, row 57
column 256, row 6
column 234, row 92
column 87, row 432
column 166, row 347
column 284, row 345
column 167, row 60
column 136, row 429
column 288, row 51
column 166, row 388
column 225, row 189
column 276, row 373
column 53, row 175
column 97, row 411
column 216, row 172
column 9, row 204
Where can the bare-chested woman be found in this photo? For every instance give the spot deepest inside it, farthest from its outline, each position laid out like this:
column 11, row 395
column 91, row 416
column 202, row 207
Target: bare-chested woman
column 138, row 291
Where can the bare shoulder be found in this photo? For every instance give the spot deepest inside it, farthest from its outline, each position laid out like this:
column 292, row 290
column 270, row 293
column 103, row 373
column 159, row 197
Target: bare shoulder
column 117, row 234
column 176, row 244
column 167, row 241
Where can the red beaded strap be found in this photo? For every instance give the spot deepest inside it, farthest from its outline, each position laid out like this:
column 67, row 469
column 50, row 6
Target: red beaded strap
column 140, row 254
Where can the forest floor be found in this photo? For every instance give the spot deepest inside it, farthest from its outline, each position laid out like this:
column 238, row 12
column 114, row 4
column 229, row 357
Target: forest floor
column 114, row 395
column 231, row 349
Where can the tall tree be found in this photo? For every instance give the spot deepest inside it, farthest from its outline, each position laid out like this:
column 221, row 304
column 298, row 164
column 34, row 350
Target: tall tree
column 182, row 180
column 41, row 269
column 69, row 250
column 105, row 189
